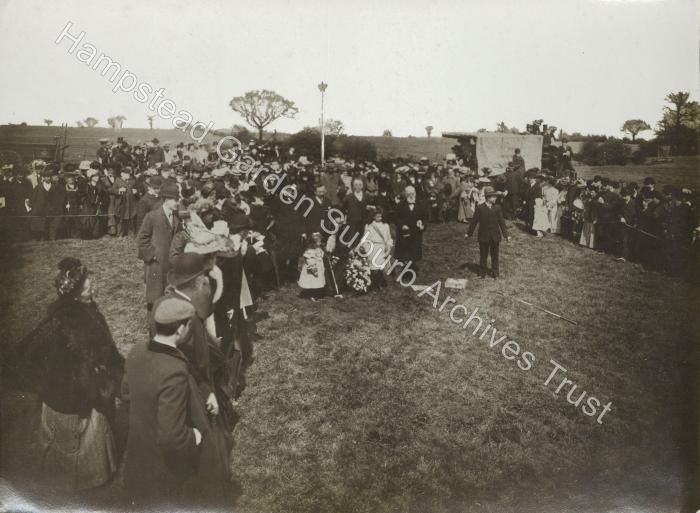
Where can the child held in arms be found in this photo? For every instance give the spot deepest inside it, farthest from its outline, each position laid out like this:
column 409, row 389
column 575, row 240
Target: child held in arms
column 312, row 279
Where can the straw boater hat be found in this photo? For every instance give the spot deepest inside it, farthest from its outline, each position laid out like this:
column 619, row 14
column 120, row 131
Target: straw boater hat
column 204, row 242
column 37, row 165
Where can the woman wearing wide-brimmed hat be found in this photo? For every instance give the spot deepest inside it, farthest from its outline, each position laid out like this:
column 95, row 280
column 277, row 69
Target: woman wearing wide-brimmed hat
column 74, row 363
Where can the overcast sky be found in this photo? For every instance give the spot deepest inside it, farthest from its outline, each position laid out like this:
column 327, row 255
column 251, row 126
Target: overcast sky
column 458, row 65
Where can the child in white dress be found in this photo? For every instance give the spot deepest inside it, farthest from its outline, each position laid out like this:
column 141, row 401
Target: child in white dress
column 312, row 278
column 540, row 223
column 380, row 243
column 551, row 201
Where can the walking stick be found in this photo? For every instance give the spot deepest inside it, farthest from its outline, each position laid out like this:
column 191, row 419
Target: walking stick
column 335, row 283
column 275, row 266
column 641, row 231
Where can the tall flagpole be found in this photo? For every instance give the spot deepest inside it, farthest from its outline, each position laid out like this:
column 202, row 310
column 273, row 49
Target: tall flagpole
column 322, row 87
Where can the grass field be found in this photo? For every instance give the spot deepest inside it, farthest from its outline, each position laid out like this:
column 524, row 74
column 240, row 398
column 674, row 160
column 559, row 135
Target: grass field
column 381, row 403
column 682, row 172
column 83, row 142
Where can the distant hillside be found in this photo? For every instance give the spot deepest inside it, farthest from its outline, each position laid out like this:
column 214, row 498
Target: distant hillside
column 434, row 148
column 82, row 142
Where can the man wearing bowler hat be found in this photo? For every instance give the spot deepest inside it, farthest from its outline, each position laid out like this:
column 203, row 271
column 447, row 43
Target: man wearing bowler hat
column 154, row 238
column 155, row 154
column 48, row 205
column 104, row 153
column 489, row 217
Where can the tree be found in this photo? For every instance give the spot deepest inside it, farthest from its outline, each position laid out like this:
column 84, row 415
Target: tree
column 90, row 122
column 150, row 122
column 601, row 154
column 116, row 122
column 634, row 126
column 79, row 124
column 334, row 127
column 428, row 130
column 481, row 130
column 308, row 142
column 680, row 123
column 387, row 133
column 502, row 127
column 48, row 122
column 261, row 107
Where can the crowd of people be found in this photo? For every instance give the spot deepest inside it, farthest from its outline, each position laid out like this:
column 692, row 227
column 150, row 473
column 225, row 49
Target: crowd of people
column 215, row 237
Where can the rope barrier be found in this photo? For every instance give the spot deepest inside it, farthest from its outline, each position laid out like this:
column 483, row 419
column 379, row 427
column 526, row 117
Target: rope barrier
column 58, row 216
column 538, row 308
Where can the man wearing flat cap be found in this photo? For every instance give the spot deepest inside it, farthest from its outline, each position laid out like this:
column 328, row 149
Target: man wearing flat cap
column 167, row 417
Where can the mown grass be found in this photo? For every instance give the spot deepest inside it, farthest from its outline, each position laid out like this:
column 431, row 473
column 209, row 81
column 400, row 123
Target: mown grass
column 681, row 172
column 380, row 403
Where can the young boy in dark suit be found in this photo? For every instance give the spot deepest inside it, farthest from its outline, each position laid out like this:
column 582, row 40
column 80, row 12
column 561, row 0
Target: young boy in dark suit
column 167, row 418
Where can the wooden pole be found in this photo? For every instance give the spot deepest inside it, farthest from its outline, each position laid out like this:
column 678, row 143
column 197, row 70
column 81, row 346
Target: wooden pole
column 323, row 133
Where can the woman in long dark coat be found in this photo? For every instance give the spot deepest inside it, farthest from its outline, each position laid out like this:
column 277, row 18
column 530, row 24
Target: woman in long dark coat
column 77, row 369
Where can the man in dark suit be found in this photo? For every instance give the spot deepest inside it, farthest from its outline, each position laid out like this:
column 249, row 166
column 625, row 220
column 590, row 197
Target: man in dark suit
column 104, row 153
column 154, row 239
column 518, row 162
column 355, row 210
column 167, row 417
column 491, row 223
column 48, row 202
column 411, row 220
column 333, row 185
column 628, row 223
column 513, row 185
column 18, row 197
column 150, row 200
column 155, row 154
column 566, row 155
column 315, row 215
